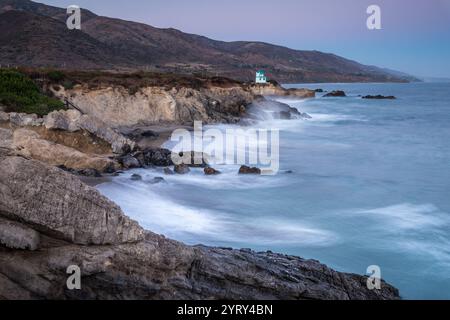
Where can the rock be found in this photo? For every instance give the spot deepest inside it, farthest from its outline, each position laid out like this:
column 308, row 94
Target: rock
column 24, row 119
column 336, row 93
column 6, row 139
column 319, row 90
column 182, row 169
column 73, row 120
column 266, row 109
column 157, row 180
column 249, row 170
column 140, row 133
column 129, row 162
column 119, row 260
column 4, row 117
column 82, row 172
column 276, row 90
column 168, row 171
column 211, row 171
column 59, row 205
column 136, row 177
column 154, row 157
column 29, row 144
column 380, row 97
column 17, row 236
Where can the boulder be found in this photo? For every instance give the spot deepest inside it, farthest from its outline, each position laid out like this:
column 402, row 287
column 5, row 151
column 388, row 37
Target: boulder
column 129, row 162
column 29, row 144
column 154, row 157
column 336, row 93
column 58, row 204
column 4, row 117
column 136, row 177
column 15, row 235
column 182, row 169
column 211, row 171
column 380, row 97
column 24, row 119
column 73, row 120
column 249, row 170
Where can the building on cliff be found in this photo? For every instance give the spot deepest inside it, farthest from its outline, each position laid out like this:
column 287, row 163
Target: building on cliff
column 261, row 77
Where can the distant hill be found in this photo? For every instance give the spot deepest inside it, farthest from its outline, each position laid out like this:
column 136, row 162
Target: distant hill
column 35, row 35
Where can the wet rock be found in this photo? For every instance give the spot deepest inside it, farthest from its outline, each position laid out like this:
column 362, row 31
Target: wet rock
column 154, row 157
column 211, row 171
column 249, row 170
column 336, row 93
column 129, row 162
column 319, row 90
column 82, row 172
column 182, row 169
column 379, row 97
column 157, row 180
column 168, row 171
column 140, row 133
column 136, row 177
column 15, row 235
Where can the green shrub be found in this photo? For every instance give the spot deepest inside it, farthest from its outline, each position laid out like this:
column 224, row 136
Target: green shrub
column 20, row 94
column 56, row 76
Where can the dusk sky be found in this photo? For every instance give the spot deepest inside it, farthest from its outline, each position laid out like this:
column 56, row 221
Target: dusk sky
column 415, row 35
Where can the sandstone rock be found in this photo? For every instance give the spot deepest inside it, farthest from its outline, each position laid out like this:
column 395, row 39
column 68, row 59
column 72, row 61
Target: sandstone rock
column 336, row 93
column 24, row 119
column 17, row 236
column 182, row 169
column 60, row 205
column 73, row 120
column 211, row 171
column 29, row 144
column 249, row 170
column 6, row 139
column 4, row 117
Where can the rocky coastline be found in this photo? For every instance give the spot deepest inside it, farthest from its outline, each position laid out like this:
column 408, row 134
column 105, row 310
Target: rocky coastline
column 50, row 219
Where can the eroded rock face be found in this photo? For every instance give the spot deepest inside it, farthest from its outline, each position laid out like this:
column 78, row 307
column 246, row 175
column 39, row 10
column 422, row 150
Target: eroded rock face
column 270, row 89
column 138, row 264
column 17, row 236
column 58, row 204
column 73, row 120
column 29, row 144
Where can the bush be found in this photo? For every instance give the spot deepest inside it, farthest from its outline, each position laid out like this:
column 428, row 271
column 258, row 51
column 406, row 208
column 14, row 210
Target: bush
column 56, row 76
column 20, row 94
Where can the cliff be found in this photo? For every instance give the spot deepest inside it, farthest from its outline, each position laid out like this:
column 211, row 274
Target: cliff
column 49, row 221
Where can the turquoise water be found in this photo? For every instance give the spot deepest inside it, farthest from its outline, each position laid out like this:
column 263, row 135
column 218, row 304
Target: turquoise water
column 370, row 186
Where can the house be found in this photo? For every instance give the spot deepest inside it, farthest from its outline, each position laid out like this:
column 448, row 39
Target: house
column 261, row 77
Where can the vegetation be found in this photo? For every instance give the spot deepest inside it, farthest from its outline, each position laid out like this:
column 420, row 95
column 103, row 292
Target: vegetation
column 18, row 93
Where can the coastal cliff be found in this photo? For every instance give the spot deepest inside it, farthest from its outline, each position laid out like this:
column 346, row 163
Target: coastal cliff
column 62, row 222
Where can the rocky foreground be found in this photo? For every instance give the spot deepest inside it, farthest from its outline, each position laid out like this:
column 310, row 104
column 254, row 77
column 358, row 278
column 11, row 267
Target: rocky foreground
column 50, row 220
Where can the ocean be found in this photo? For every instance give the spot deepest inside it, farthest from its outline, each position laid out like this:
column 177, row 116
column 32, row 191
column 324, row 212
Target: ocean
column 369, row 184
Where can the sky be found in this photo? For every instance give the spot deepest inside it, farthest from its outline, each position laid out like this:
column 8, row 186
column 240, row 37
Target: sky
column 414, row 35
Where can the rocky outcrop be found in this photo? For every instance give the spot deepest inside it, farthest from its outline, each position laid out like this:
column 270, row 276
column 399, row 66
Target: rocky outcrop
column 270, row 89
column 336, row 93
column 29, row 144
column 23, row 119
column 211, row 171
column 127, row 263
column 117, row 106
column 58, row 204
column 73, row 120
column 249, row 170
column 265, row 109
column 379, row 97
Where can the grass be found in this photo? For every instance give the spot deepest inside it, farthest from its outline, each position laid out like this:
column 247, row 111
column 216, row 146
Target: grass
column 18, row 93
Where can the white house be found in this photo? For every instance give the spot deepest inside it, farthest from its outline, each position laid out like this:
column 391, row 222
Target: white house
column 261, row 77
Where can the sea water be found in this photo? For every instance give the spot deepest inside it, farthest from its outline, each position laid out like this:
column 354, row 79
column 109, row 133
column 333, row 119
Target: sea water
column 369, row 185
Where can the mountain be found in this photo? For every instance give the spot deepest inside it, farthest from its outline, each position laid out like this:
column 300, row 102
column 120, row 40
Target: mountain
column 35, row 35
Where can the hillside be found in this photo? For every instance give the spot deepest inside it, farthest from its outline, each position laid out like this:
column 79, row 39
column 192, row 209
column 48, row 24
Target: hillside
column 35, row 35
